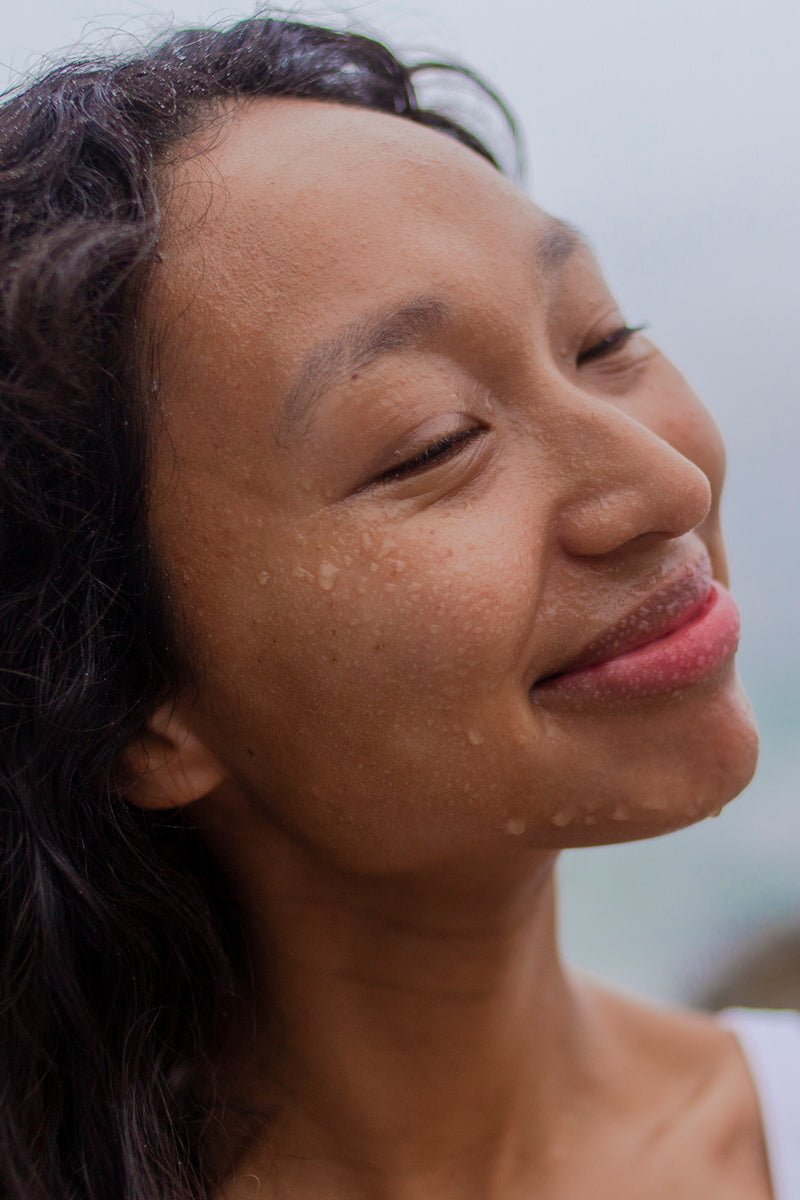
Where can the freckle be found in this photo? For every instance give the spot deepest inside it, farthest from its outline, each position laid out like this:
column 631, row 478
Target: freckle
column 251, row 752
column 475, row 736
column 515, row 827
column 263, row 577
column 326, row 575
column 561, row 818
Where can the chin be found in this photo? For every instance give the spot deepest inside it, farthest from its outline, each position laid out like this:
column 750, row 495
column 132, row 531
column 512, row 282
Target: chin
column 701, row 753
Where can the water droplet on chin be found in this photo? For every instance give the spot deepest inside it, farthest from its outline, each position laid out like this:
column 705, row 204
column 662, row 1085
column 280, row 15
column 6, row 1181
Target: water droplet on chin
column 561, row 818
column 516, row 827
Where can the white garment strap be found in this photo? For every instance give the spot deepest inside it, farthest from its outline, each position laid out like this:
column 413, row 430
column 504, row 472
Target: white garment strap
column 770, row 1040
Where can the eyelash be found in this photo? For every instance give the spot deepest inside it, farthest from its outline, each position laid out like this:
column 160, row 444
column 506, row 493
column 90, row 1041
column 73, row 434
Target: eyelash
column 442, row 449
column 436, row 452
column 611, row 344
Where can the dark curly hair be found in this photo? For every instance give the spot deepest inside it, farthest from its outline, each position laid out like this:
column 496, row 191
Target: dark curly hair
column 120, row 957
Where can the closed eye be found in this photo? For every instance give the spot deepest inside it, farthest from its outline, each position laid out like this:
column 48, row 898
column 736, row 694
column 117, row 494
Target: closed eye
column 609, row 345
column 438, row 452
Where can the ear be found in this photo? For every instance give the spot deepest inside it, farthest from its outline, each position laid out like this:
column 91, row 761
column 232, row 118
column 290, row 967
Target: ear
column 168, row 764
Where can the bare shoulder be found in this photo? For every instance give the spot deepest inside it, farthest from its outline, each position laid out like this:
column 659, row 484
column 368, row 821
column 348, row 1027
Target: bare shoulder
column 697, row 1088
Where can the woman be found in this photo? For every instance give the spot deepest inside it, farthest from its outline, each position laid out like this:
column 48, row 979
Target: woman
column 358, row 556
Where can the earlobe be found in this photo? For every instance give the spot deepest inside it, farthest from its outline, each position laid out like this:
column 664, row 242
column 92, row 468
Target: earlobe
column 168, row 765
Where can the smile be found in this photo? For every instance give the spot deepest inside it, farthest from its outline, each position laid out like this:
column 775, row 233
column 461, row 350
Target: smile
column 647, row 656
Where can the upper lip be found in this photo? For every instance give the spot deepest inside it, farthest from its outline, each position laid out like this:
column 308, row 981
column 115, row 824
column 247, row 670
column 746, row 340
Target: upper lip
column 667, row 608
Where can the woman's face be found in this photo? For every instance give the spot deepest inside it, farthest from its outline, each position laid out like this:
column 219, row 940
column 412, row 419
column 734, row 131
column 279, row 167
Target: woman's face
column 410, row 468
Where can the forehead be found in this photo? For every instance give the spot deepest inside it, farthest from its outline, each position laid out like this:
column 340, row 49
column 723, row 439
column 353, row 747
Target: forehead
column 303, row 212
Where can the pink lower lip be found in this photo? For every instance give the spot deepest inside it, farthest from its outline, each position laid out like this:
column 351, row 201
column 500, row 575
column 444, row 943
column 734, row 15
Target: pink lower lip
column 687, row 655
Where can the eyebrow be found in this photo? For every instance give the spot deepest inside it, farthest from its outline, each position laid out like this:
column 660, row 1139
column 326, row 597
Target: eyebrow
column 359, row 343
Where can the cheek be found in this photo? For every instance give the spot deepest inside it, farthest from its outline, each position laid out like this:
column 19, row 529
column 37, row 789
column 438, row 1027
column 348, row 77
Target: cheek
column 376, row 680
column 672, row 410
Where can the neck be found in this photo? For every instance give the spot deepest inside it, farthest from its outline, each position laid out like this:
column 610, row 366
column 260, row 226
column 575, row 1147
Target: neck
column 407, row 1038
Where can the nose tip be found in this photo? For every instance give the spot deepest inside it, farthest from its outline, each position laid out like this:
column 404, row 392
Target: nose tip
column 636, row 491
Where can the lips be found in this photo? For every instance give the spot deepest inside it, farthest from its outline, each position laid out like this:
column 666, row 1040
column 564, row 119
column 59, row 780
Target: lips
column 680, row 635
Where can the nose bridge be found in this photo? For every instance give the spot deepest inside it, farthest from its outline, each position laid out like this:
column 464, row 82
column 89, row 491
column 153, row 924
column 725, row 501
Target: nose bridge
column 624, row 480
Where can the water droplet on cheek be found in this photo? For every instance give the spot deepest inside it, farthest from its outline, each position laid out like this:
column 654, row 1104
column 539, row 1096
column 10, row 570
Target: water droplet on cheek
column 326, row 575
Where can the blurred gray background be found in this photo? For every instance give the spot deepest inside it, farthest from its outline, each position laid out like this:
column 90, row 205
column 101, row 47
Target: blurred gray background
column 667, row 130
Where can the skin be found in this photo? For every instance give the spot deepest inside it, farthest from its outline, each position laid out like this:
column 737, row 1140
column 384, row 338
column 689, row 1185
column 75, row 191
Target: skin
column 364, row 754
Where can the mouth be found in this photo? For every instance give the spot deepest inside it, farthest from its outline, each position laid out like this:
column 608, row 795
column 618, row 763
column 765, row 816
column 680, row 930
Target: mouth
column 682, row 634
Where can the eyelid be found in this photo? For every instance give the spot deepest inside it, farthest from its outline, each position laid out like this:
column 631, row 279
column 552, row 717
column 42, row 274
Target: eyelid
column 438, row 451
column 610, row 344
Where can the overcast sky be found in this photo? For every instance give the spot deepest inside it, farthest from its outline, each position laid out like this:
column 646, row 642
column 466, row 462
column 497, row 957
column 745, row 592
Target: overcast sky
column 668, row 131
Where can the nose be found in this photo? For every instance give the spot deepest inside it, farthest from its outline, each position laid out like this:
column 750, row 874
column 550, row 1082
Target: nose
column 626, row 482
